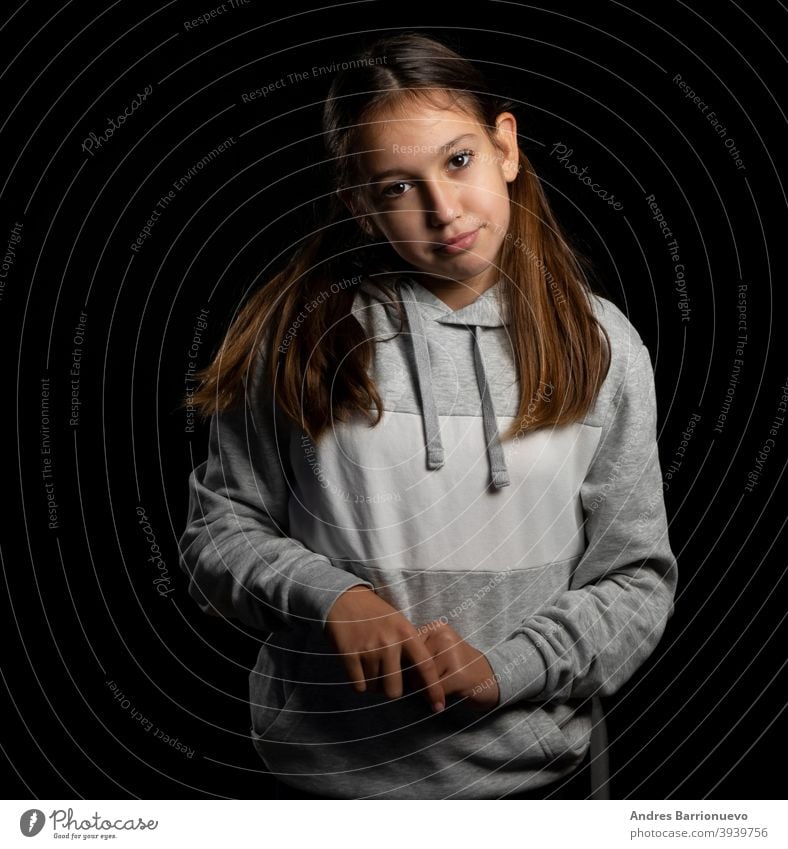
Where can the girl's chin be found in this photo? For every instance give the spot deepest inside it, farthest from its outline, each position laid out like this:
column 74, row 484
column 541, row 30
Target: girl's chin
column 437, row 262
column 470, row 265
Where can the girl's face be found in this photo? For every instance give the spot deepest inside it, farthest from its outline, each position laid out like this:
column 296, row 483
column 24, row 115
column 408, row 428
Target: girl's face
column 433, row 175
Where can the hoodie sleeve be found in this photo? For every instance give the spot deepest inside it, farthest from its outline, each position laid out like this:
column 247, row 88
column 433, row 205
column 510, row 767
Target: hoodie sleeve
column 235, row 548
column 595, row 635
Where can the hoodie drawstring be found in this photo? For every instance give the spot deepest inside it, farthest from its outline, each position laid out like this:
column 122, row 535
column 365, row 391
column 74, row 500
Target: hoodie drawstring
column 499, row 474
column 498, row 470
column 429, row 410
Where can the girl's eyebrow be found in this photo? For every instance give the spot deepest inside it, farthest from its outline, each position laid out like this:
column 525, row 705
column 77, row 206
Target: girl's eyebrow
column 390, row 172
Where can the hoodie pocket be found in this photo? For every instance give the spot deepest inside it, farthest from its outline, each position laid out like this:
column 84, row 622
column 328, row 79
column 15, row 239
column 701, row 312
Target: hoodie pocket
column 272, row 699
column 561, row 729
column 278, row 725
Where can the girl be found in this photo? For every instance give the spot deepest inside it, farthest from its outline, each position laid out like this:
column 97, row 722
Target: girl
column 433, row 472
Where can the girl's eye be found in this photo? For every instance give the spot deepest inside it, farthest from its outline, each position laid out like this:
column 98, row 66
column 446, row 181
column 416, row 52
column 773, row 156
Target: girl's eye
column 467, row 154
column 389, row 193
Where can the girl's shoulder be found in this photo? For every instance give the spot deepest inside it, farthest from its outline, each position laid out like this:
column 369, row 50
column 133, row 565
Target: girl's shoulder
column 615, row 321
column 628, row 359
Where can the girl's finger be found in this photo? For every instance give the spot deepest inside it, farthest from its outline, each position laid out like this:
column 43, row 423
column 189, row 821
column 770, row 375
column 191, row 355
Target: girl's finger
column 392, row 674
column 355, row 672
column 424, row 667
column 372, row 669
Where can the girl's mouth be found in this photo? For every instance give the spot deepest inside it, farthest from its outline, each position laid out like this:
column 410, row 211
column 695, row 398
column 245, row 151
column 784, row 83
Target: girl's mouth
column 461, row 245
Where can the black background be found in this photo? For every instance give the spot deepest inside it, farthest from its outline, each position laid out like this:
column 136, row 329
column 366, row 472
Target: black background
column 703, row 718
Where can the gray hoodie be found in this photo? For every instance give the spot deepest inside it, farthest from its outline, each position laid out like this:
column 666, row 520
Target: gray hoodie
column 548, row 552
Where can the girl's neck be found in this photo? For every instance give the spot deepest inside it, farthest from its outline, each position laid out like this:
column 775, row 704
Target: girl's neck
column 457, row 295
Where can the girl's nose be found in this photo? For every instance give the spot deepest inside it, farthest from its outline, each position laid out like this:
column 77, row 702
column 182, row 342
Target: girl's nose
column 440, row 198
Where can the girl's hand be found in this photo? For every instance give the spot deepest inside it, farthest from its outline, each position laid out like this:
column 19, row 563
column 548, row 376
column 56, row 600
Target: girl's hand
column 463, row 670
column 372, row 638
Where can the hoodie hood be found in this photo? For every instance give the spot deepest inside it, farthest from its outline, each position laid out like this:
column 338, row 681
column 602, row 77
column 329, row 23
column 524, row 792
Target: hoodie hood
column 422, row 308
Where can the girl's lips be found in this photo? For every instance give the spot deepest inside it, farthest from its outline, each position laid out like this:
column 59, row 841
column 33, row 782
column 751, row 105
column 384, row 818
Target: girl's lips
column 461, row 245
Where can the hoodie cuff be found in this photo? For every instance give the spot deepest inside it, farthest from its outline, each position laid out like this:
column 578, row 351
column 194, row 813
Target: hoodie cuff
column 519, row 669
column 316, row 589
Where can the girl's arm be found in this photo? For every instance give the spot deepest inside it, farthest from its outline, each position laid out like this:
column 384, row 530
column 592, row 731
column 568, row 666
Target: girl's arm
column 595, row 635
column 235, row 547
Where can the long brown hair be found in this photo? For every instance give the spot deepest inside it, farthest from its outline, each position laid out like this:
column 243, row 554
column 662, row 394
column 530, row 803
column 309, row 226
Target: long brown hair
column 316, row 354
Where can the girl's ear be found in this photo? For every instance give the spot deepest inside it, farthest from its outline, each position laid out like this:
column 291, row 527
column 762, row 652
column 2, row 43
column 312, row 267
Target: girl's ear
column 506, row 137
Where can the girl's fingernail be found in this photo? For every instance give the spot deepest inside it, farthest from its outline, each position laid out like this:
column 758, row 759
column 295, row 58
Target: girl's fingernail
column 438, row 706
